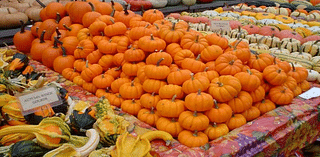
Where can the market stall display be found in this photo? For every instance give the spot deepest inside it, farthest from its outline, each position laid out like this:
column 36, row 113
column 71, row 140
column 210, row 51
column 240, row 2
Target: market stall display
column 187, row 80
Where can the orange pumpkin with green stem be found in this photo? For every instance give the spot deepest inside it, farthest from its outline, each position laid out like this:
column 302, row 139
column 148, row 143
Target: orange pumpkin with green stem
column 216, row 130
column 148, row 100
column 171, row 126
column 224, row 88
column 193, row 84
column 193, row 139
column 50, row 54
column 265, row 106
column 38, row 47
column 131, row 106
column 170, row 108
column 198, row 101
column 23, row 39
column 62, row 62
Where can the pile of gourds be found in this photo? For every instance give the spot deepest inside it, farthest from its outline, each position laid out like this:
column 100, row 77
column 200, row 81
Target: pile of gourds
column 195, row 87
column 297, row 42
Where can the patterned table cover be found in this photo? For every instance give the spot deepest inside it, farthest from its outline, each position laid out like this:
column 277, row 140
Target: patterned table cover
column 280, row 132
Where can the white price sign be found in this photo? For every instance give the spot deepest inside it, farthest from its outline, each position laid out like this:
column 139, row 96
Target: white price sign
column 38, row 98
column 220, row 25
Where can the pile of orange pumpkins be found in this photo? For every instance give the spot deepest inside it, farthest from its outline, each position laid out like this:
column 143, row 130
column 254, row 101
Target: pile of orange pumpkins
column 195, row 87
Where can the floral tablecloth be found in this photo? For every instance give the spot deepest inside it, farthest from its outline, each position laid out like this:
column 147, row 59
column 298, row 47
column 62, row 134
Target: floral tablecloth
column 280, row 132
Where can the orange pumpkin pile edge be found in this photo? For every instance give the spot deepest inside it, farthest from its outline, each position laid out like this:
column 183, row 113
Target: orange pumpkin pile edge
column 169, row 76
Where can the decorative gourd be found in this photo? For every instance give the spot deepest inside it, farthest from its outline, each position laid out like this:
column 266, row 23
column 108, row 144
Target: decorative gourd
column 50, row 132
column 80, row 120
column 311, row 47
column 312, row 75
column 189, row 2
column 28, row 147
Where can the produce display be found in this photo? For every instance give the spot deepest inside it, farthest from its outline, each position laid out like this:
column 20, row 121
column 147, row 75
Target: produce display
column 174, row 73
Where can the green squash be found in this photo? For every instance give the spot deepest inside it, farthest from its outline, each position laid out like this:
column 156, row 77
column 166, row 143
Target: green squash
column 27, row 149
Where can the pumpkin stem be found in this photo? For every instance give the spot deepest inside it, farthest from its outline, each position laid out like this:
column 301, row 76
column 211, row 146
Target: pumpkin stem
column 112, row 21
column 159, row 61
column 192, row 76
column 249, row 71
column 198, row 57
column 92, row 6
column 66, row 27
column 263, row 101
column 151, row 36
column 293, row 67
column 220, row 84
column 58, row 33
column 152, row 110
column 42, row 36
column 174, row 98
column 206, row 69
column 58, row 17
column 197, row 39
column 41, row 4
column 195, row 113
column 214, row 124
column 173, row 26
column 195, row 133
column 216, row 106
column 22, row 30
column 231, row 62
column 132, row 83
column 126, row 9
column 199, row 91
column 87, row 64
column 64, row 52
column 173, row 120
column 117, row 69
column 152, row 94
column 118, row 96
column 55, row 43
column 79, row 47
column 113, row 10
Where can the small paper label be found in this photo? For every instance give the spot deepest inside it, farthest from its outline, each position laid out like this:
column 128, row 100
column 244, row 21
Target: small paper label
column 311, row 93
column 38, row 98
column 220, row 25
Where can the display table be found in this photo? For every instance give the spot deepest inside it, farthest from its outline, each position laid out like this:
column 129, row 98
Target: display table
column 280, row 132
